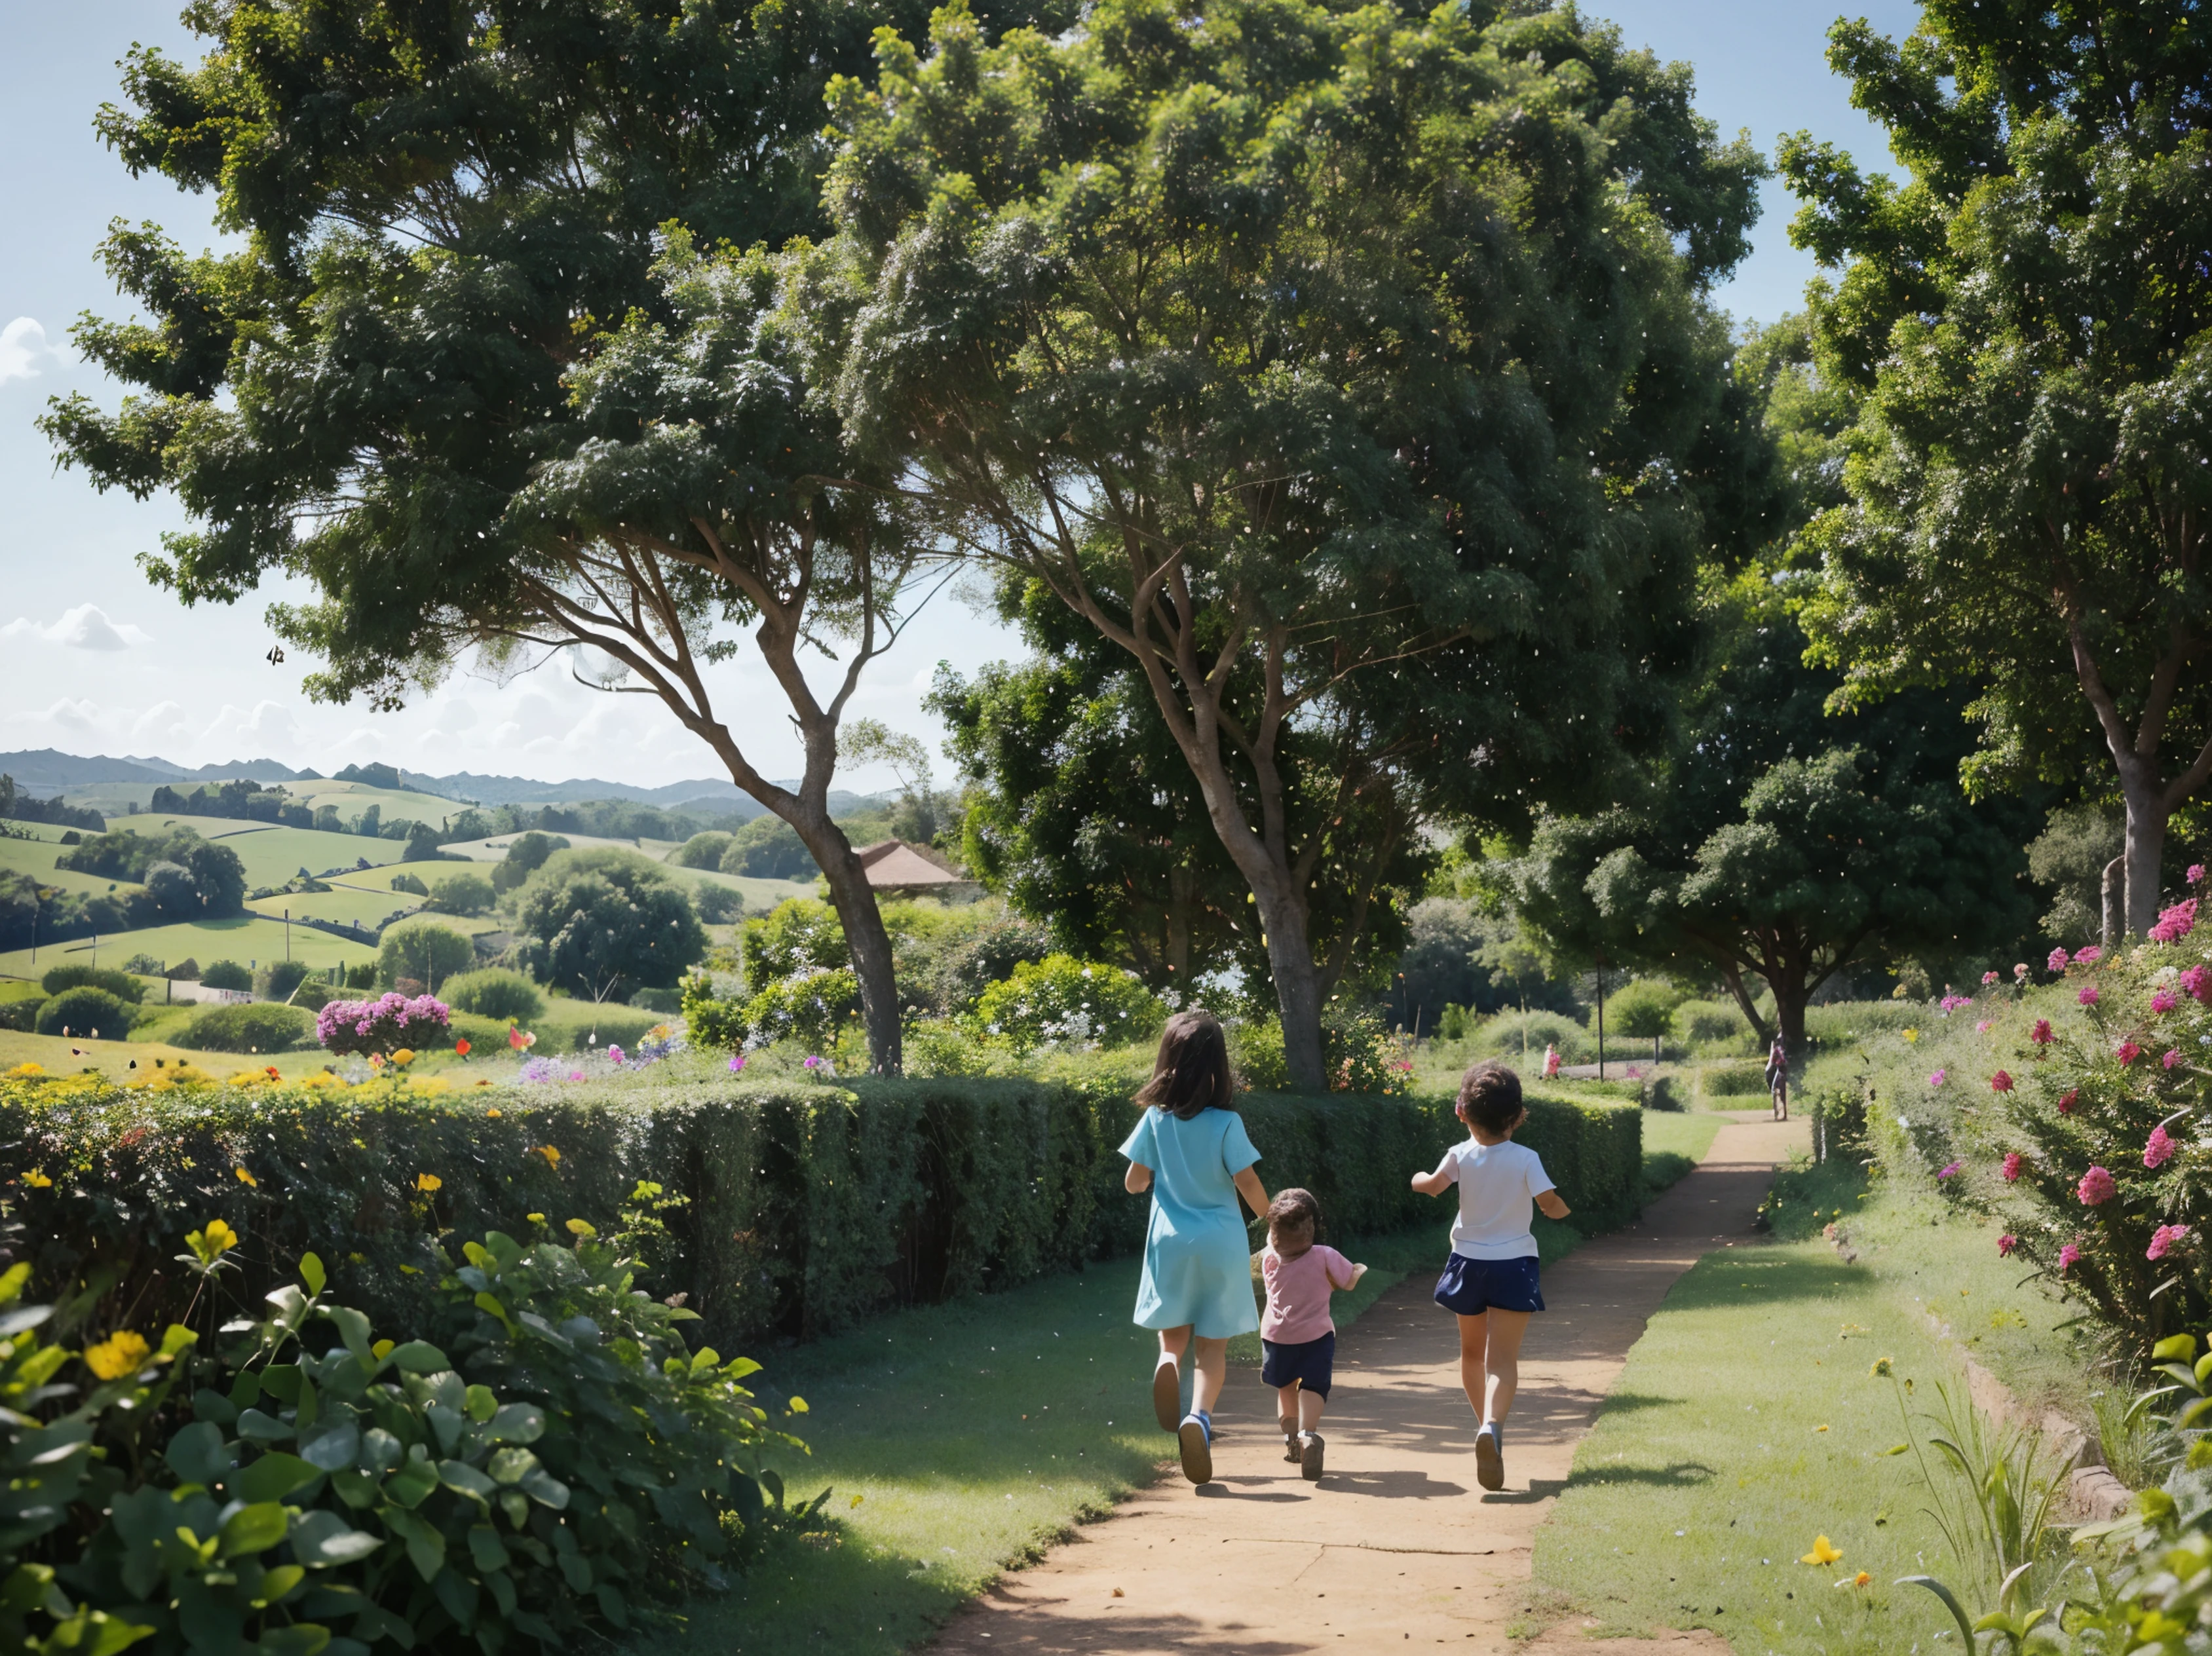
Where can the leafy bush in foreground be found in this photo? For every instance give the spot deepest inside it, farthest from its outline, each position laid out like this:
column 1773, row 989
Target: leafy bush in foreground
column 260, row 1027
column 81, row 1011
column 494, row 993
column 121, row 985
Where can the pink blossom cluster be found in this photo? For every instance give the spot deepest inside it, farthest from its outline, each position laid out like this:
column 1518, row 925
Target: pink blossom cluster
column 2127, row 1052
column 2160, row 1149
column 2172, row 1057
column 1937, row 1078
column 2041, row 1035
column 2163, row 1240
column 2006, row 1244
column 2069, row 1256
column 383, row 1025
column 1953, row 1003
column 2058, row 960
column 2001, row 1082
column 2097, row 1187
column 1951, row 1170
column 2012, row 1166
column 2175, row 923
column 2088, row 956
column 1989, row 978
column 2164, row 1001
column 2197, row 980
column 2087, row 996
column 2196, row 873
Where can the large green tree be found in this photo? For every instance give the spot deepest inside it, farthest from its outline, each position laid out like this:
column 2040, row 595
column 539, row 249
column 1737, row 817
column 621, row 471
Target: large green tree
column 2026, row 319
column 461, row 367
column 1346, row 370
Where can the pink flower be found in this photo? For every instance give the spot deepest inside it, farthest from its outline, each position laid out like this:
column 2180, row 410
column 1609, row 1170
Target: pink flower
column 2195, row 873
column 736, row 1062
column 2068, row 1100
column 2197, row 980
column 2163, row 1240
column 1951, row 1003
column 2172, row 1057
column 2066, row 1256
column 2012, row 1164
column 2006, row 1244
column 1951, row 1172
column 2088, row 995
column 1937, row 1078
column 2160, row 1149
column 813, row 1061
column 2041, row 1035
column 2096, row 1187
column 2127, row 1052
column 2089, row 955
column 2058, row 960
column 1988, row 977
column 2163, row 1001
column 1982, row 1027
column 614, row 1054
column 2001, row 1082
column 2175, row 923
column 2020, row 973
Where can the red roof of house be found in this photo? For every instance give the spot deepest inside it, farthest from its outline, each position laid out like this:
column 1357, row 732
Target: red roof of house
column 893, row 863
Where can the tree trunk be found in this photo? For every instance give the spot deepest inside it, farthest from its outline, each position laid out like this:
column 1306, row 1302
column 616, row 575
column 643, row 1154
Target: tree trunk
column 2145, row 850
column 1789, row 1018
column 867, row 941
column 1733, row 976
column 2111, row 890
column 1297, row 984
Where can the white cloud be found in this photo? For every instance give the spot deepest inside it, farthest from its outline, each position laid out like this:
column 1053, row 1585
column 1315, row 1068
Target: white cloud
column 75, row 718
column 164, row 720
column 85, row 627
column 269, row 727
column 23, row 346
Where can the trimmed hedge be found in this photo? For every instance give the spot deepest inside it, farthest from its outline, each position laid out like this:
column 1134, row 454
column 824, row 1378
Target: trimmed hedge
column 804, row 1207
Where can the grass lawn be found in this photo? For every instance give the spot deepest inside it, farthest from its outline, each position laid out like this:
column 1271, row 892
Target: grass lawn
column 241, row 937
column 113, row 1059
column 271, row 854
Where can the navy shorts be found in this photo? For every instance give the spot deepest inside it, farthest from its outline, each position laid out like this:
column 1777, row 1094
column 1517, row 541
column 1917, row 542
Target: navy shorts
column 1471, row 1286
column 1309, row 1362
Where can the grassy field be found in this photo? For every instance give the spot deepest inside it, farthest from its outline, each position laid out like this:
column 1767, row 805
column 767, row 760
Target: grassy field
column 760, row 895
column 36, row 858
column 273, row 855
column 114, row 1058
column 351, row 798
column 243, row 938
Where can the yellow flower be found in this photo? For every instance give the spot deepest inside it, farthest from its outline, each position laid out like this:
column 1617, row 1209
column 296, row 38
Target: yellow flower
column 582, row 1227
column 220, row 1235
column 1859, row 1581
column 116, row 1355
column 552, row 1156
column 245, row 1178
column 428, row 1181
column 535, row 1219
column 403, row 1057
column 1823, row 1552
column 1911, row 1034
column 36, row 1181
column 27, row 1070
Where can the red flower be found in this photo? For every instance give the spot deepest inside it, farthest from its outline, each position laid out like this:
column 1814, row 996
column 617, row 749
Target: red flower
column 462, row 1045
column 2041, row 1035
column 2067, row 1100
column 2001, row 1082
column 2006, row 1244
column 2127, row 1052
column 2012, row 1163
column 2097, row 1187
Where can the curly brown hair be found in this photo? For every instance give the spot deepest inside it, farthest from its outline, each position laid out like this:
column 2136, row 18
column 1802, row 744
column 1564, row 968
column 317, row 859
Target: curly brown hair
column 1490, row 1096
column 1293, row 1212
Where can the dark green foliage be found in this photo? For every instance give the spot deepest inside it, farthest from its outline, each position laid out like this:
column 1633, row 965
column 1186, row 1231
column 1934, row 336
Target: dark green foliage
column 718, row 905
column 598, row 922
column 122, row 985
column 768, row 849
column 526, row 855
column 194, row 876
column 227, row 975
column 2025, row 319
column 26, row 807
column 425, row 952
column 410, row 884
column 255, row 1027
column 81, row 1010
column 278, row 979
column 493, row 993
column 701, row 851
column 462, row 894
column 242, row 798
column 20, row 1016
column 810, row 1206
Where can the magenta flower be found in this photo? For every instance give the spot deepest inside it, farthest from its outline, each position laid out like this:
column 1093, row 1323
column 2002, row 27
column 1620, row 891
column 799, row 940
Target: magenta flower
column 2068, row 1100
column 2012, row 1165
column 1988, row 977
column 2006, row 1244
column 2195, row 873
column 736, row 1062
column 2197, row 980
column 813, row 1061
column 2096, row 1188
column 2041, row 1035
column 1937, row 1078
column 1982, row 1027
column 2088, row 995
column 2172, row 1057
column 2163, row 1239
column 2020, row 973
column 1951, row 1172
column 614, row 1053
column 2001, row 1082
column 2127, row 1052
column 2088, row 956
column 2164, row 1001
column 1951, row 1003
column 2058, row 960
column 2175, row 923
column 2066, row 1256
column 2160, row 1149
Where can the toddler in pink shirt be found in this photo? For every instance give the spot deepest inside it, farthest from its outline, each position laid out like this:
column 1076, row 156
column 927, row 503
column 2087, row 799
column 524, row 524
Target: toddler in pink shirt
column 1298, row 1337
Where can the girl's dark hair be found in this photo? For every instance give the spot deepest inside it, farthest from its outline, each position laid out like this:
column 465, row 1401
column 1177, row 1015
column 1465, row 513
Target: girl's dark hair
column 1294, row 1209
column 1192, row 1071
column 1489, row 1096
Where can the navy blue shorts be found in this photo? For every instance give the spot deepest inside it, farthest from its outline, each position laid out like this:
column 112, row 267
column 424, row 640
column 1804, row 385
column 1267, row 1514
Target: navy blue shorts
column 1471, row 1286
column 1309, row 1362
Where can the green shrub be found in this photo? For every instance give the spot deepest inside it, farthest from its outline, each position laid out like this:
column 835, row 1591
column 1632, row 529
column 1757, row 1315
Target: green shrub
column 619, row 1025
column 121, row 985
column 809, row 1008
column 278, row 979
column 810, row 1205
column 21, row 1016
column 494, row 993
column 1733, row 1080
column 429, row 953
column 144, row 966
column 718, row 904
column 84, row 1011
column 1642, row 1010
column 410, row 883
column 1063, row 1001
column 798, row 936
column 360, row 975
column 1506, row 1035
column 701, row 851
column 1256, row 1054
column 257, row 1027
column 667, row 1002
column 463, row 894
column 227, row 975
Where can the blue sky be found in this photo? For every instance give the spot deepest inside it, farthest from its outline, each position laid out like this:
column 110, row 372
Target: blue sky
column 93, row 659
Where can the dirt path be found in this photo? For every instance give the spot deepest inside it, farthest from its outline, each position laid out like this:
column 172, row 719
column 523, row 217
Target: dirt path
column 1396, row 1545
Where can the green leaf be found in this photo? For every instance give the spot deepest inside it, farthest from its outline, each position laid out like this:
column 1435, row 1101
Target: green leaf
column 213, row 1407
column 277, row 1583
column 426, row 1547
column 274, row 1476
column 2174, row 1348
column 353, row 1329
column 460, row 1475
column 262, row 1428
column 482, row 1403
column 1950, row 1603
column 198, row 1453
column 301, row 1638
column 322, row 1538
column 418, row 1357
column 252, row 1529
column 546, row 1490
column 517, row 1422
column 312, row 1273
column 511, row 1465
column 486, row 1549
column 411, row 1484
column 576, row 1571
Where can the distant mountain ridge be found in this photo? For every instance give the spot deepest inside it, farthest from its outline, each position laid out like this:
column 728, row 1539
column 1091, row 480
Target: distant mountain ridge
column 48, row 771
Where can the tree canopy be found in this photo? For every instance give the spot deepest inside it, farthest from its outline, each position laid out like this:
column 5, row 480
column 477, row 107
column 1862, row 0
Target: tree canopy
column 1341, row 368
column 602, row 922
column 2027, row 322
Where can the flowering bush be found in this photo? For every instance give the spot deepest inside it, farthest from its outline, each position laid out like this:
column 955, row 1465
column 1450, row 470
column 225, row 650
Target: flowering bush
column 1063, row 1001
column 389, row 1024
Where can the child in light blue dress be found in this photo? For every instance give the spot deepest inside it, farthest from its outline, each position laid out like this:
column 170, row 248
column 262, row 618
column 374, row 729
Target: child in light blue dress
column 1190, row 1149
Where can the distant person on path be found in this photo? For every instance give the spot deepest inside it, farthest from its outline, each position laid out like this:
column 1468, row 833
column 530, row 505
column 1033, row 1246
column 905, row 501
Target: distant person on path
column 1190, row 1149
column 1490, row 1283
column 1551, row 1063
column 1777, row 1078
column 1298, row 1337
